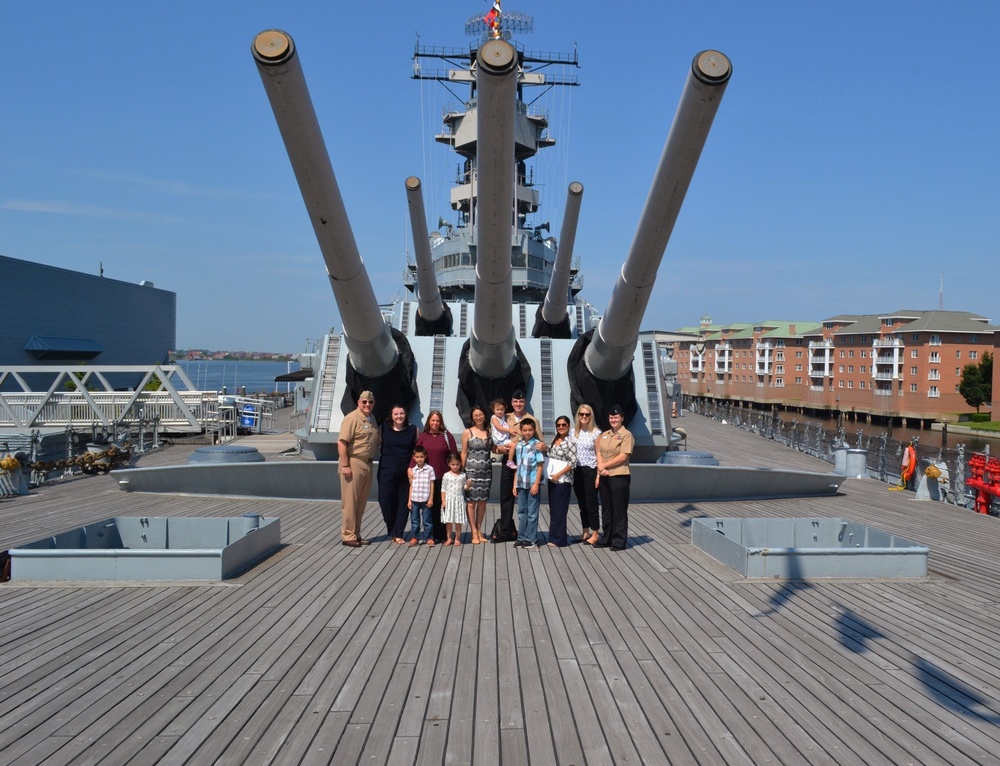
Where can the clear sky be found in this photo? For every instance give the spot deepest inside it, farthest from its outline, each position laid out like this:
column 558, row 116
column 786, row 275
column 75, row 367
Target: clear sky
column 855, row 158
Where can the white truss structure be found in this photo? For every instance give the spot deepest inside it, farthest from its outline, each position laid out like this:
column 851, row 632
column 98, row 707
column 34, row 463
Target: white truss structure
column 81, row 395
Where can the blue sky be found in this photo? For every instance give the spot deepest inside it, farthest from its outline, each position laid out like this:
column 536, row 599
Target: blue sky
column 854, row 160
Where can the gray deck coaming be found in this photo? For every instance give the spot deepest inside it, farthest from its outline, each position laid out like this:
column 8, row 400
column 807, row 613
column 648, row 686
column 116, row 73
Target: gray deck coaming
column 679, row 589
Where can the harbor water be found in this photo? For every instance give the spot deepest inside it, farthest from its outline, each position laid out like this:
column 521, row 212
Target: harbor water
column 256, row 377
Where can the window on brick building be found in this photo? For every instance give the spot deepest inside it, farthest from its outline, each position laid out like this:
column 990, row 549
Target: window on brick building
column 973, row 355
column 913, row 388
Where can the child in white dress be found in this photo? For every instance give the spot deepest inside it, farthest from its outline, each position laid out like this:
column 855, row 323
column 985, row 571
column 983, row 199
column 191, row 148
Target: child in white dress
column 453, row 487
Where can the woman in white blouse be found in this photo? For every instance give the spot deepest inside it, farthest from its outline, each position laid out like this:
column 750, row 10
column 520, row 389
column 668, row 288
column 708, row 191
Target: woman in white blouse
column 585, row 476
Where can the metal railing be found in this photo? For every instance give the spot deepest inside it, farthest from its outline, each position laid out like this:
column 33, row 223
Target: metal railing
column 884, row 453
column 25, row 410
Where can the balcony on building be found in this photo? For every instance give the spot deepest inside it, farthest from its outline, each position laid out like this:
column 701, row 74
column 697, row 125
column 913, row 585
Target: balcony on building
column 696, row 362
column 888, row 343
column 765, row 352
column 723, row 357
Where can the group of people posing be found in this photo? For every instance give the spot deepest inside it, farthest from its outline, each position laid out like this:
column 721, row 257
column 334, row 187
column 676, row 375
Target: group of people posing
column 441, row 485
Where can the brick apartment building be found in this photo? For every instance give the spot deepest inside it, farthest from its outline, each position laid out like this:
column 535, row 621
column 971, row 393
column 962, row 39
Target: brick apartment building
column 905, row 364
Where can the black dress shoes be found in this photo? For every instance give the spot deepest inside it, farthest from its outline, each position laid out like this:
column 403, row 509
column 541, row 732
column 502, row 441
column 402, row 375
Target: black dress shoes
column 352, row 543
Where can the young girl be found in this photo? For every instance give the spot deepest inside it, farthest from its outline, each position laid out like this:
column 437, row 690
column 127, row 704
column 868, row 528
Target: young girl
column 453, row 487
column 500, row 432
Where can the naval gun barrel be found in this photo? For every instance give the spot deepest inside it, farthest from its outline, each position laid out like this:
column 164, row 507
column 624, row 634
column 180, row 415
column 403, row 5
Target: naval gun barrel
column 431, row 311
column 609, row 354
column 492, row 346
column 373, row 351
column 553, row 313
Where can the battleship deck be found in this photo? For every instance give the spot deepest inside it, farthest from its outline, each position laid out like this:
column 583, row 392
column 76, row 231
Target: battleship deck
column 488, row 654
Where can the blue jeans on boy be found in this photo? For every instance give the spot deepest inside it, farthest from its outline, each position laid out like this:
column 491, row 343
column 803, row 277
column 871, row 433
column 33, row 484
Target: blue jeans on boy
column 527, row 515
column 420, row 511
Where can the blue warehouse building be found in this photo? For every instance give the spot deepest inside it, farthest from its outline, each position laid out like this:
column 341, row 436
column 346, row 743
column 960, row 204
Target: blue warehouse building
column 55, row 316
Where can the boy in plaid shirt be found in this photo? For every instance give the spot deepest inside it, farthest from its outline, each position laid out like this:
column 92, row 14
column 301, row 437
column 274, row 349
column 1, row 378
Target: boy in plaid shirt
column 527, row 483
column 422, row 478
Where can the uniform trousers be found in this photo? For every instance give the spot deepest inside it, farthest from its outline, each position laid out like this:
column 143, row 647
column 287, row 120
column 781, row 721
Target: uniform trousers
column 354, row 497
column 506, row 501
column 614, row 492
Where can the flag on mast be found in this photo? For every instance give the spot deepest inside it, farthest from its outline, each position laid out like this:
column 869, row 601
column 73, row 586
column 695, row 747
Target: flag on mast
column 492, row 18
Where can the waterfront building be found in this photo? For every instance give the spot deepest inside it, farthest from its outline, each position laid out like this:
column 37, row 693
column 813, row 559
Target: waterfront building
column 56, row 316
column 904, row 364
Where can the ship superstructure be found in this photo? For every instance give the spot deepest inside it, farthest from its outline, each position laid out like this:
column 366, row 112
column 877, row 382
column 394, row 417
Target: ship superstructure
column 454, row 246
column 494, row 303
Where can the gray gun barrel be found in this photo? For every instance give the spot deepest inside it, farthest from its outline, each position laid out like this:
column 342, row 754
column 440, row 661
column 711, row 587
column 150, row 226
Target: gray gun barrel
column 557, row 296
column 369, row 340
column 492, row 345
column 610, row 352
column 431, row 307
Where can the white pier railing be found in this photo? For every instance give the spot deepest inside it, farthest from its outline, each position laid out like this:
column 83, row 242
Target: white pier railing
column 81, row 395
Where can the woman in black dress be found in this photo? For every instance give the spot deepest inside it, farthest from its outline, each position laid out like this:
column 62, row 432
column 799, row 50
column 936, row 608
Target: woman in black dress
column 398, row 438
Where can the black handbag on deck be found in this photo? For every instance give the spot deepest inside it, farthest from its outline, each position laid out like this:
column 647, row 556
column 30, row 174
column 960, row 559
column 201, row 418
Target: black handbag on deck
column 498, row 536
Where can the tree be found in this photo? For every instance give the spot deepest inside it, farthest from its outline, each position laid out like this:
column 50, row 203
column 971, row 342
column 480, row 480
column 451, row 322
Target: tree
column 986, row 373
column 976, row 386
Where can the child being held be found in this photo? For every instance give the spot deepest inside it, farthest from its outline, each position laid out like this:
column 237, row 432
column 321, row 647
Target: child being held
column 500, row 432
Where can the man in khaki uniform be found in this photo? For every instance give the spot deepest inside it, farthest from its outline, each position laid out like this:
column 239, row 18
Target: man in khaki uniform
column 359, row 441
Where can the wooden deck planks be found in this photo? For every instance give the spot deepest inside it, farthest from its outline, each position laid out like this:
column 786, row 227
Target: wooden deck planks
column 388, row 654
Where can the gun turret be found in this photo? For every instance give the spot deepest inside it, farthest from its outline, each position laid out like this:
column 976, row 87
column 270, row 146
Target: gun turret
column 492, row 349
column 552, row 321
column 492, row 365
column 608, row 351
column 376, row 359
column 433, row 316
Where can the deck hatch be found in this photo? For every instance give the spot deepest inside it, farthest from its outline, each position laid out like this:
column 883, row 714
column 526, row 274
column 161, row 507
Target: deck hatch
column 142, row 548
column 799, row 549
